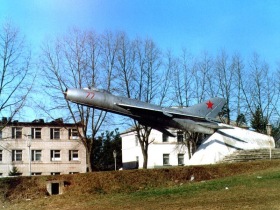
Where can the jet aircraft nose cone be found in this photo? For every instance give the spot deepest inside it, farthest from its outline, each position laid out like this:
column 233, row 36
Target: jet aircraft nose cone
column 65, row 93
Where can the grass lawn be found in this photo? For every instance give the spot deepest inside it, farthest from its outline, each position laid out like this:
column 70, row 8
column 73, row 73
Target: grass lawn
column 257, row 189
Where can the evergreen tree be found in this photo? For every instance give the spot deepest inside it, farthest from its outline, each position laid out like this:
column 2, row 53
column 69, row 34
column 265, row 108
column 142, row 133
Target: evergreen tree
column 104, row 146
column 258, row 121
column 241, row 120
column 14, row 172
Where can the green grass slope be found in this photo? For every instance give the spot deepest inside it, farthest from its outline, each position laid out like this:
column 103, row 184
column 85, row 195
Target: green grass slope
column 251, row 185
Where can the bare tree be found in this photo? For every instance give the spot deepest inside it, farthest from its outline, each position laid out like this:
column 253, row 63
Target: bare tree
column 199, row 83
column 79, row 61
column 224, row 70
column 149, row 86
column 202, row 70
column 166, row 78
column 278, row 93
column 15, row 77
column 182, row 88
column 260, row 89
column 139, row 72
column 238, row 97
column 126, row 66
column 182, row 78
column 109, row 49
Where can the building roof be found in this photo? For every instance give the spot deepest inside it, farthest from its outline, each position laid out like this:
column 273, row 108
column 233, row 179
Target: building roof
column 38, row 122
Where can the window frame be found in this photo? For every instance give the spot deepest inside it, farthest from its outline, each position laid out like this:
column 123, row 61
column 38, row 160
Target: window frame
column 72, row 131
column 16, row 155
column 34, row 154
column 166, row 159
column 54, row 132
column 73, row 153
column 54, row 153
column 165, row 137
column 36, row 173
column 181, row 159
column 16, row 132
column 55, row 173
column 36, row 131
column 73, row 172
column 180, row 136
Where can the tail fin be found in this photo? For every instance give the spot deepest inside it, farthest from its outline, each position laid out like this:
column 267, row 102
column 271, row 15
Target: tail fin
column 208, row 109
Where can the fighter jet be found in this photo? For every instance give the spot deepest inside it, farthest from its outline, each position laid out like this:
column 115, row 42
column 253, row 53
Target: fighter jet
column 201, row 118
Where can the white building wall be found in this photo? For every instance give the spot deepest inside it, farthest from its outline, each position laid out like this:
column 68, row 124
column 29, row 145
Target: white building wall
column 130, row 150
column 212, row 150
column 45, row 166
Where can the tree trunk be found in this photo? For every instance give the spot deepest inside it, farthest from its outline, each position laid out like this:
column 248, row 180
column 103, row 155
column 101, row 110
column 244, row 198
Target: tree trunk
column 189, row 149
column 88, row 159
column 145, row 158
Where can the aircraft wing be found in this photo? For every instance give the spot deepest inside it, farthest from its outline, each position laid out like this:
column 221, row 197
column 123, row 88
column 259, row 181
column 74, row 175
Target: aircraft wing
column 159, row 128
column 214, row 125
column 165, row 113
column 164, row 131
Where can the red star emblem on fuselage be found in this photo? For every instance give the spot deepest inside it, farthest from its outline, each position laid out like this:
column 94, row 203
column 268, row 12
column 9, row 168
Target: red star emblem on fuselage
column 209, row 105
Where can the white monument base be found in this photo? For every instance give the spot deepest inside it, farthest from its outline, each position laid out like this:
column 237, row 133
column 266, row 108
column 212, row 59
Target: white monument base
column 225, row 141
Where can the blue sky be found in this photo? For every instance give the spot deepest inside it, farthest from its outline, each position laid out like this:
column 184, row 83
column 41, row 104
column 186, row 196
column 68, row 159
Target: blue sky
column 243, row 26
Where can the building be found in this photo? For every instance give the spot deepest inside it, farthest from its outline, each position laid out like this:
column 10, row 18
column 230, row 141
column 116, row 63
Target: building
column 39, row 148
column 163, row 150
column 168, row 151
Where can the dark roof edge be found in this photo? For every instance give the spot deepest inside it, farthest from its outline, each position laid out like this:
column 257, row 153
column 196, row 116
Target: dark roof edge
column 56, row 124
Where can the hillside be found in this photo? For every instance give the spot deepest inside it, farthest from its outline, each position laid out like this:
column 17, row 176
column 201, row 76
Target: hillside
column 29, row 192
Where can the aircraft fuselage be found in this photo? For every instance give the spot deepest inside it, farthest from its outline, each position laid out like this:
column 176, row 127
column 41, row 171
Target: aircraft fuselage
column 152, row 115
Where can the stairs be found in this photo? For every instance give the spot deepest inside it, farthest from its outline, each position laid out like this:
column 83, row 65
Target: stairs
column 250, row 155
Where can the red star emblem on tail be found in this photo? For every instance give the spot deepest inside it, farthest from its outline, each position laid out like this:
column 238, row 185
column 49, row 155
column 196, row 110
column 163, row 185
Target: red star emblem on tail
column 209, row 105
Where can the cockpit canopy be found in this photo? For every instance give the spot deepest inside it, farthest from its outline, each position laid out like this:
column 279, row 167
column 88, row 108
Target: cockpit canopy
column 97, row 90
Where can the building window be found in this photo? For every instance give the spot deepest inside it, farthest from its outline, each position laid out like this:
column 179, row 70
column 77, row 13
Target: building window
column 73, row 134
column 55, row 155
column 164, row 138
column 73, row 155
column 180, row 159
column 1, row 155
column 55, row 133
column 137, row 161
column 136, row 141
column 36, row 155
column 16, row 133
column 165, row 159
column 180, row 136
column 16, row 155
column 36, row 133
column 36, row 173
column 73, row 172
column 0, row 134
column 55, row 173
